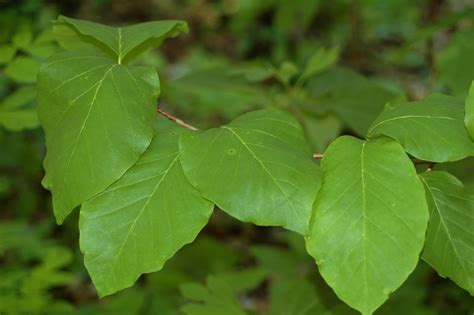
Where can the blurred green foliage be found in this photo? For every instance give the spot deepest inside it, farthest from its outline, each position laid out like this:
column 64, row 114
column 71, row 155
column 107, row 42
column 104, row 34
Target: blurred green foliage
column 332, row 64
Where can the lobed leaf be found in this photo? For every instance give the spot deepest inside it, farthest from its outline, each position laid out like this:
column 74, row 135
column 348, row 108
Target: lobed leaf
column 449, row 246
column 369, row 221
column 123, row 43
column 432, row 129
column 98, row 119
column 144, row 218
column 258, row 168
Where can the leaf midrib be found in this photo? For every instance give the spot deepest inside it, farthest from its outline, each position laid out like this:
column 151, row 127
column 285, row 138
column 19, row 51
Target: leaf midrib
column 405, row 117
column 265, row 169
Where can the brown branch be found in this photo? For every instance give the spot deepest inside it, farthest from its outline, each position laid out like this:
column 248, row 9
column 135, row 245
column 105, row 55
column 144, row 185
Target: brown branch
column 175, row 119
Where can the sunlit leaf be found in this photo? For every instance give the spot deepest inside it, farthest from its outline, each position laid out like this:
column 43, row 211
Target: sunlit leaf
column 141, row 220
column 369, row 222
column 257, row 168
column 98, row 119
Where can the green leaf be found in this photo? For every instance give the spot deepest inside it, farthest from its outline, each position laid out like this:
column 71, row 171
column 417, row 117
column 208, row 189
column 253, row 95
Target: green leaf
column 257, row 168
column 6, row 53
column 370, row 220
column 357, row 100
column 22, row 70
column 19, row 119
column 432, row 129
column 219, row 296
column 455, row 64
column 469, row 120
column 294, row 295
column 123, row 43
column 20, row 97
column 449, row 247
column 141, row 220
column 319, row 61
column 22, row 37
column 98, row 119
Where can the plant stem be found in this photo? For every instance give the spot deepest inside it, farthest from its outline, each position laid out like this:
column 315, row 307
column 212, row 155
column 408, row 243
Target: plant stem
column 176, row 120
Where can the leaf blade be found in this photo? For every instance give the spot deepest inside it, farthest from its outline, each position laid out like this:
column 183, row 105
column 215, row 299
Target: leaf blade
column 260, row 156
column 451, row 211
column 83, row 107
column 161, row 210
column 360, row 223
column 432, row 129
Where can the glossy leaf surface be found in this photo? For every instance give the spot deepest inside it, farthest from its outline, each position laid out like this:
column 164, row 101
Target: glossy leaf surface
column 449, row 247
column 98, row 119
column 257, row 168
column 432, row 129
column 369, row 222
column 141, row 220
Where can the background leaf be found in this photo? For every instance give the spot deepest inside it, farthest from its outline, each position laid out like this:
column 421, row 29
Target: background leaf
column 364, row 237
column 469, row 120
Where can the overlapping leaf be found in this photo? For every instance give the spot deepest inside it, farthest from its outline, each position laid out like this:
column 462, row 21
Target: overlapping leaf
column 432, row 129
column 257, row 168
column 123, row 43
column 369, row 222
column 449, row 244
column 470, row 112
column 98, row 119
column 140, row 221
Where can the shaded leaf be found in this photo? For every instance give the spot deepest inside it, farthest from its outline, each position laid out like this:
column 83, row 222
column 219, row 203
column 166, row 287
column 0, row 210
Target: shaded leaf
column 141, row 220
column 294, row 295
column 356, row 99
column 98, row 120
column 257, row 168
column 432, row 129
column 6, row 53
column 369, row 222
column 22, row 70
column 449, row 247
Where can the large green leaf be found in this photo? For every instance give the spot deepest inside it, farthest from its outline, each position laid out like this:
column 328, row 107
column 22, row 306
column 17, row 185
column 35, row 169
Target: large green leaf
column 469, row 120
column 369, row 221
column 98, row 119
column 449, row 244
column 123, row 43
column 257, row 168
column 141, row 220
column 432, row 129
